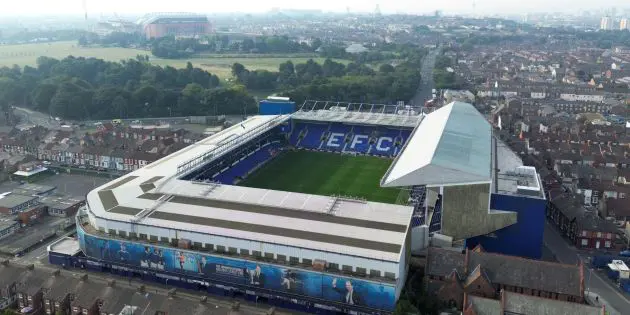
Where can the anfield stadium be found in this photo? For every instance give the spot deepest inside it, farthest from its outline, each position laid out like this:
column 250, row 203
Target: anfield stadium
column 156, row 25
column 317, row 209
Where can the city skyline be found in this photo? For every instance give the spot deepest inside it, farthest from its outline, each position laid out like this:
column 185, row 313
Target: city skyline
column 482, row 7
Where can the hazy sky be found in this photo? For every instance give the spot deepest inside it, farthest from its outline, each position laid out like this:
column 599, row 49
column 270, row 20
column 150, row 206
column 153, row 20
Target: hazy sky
column 108, row 7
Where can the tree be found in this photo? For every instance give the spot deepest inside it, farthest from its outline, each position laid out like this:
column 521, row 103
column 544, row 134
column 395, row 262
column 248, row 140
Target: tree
column 83, row 41
column 386, row 68
column 237, row 69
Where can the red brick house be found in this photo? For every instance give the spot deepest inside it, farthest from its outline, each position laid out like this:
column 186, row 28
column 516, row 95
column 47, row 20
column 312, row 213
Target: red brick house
column 450, row 274
column 584, row 228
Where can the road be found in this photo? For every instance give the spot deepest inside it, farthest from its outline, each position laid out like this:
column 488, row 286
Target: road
column 594, row 282
column 39, row 255
column 424, row 92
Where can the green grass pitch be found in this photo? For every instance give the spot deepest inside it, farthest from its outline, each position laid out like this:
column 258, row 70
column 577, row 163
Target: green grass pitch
column 326, row 174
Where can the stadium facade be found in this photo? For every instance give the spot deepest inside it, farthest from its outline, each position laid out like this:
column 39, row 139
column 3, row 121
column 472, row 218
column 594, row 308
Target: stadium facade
column 158, row 25
column 184, row 219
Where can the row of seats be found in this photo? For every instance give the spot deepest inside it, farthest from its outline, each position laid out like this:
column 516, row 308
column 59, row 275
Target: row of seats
column 436, row 219
column 337, row 137
column 242, row 168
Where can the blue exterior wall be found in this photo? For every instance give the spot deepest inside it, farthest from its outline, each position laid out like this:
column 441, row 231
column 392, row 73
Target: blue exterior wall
column 525, row 238
column 244, row 276
column 266, row 107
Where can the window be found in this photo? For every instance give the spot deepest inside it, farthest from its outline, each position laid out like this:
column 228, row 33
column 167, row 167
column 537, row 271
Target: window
column 584, row 242
column 333, row 266
column 307, row 262
column 599, row 234
column 111, row 232
column 244, row 252
column 143, row 236
column 153, row 238
column 375, row 273
column 233, row 250
column 209, row 247
column 584, row 233
column 281, row 258
column 164, row 239
column 221, row 248
column 269, row 255
column 294, row 260
column 197, row 245
column 609, row 235
column 390, row 275
column 361, row 271
column 346, row 268
column 607, row 244
column 256, row 253
column 122, row 233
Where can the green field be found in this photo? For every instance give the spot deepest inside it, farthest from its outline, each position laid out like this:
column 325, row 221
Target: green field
column 326, row 174
column 220, row 65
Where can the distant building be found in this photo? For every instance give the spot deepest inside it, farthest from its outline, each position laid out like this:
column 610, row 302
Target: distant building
column 624, row 24
column 356, row 49
column 606, row 23
column 104, row 28
column 174, row 24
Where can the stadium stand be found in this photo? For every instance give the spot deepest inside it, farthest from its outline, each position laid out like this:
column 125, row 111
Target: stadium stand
column 418, row 196
column 436, row 218
column 247, row 164
column 348, row 138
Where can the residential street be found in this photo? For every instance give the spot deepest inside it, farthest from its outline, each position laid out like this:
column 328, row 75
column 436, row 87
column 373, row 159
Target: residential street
column 593, row 281
column 426, row 84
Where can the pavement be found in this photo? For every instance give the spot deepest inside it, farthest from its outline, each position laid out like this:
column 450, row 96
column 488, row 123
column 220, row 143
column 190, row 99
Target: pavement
column 596, row 300
column 425, row 92
column 596, row 284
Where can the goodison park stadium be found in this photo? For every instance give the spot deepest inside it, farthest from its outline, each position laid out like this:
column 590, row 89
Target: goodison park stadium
column 319, row 209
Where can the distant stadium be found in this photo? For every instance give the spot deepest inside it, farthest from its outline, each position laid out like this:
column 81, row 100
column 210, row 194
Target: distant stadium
column 317, row 209
column 158, row 25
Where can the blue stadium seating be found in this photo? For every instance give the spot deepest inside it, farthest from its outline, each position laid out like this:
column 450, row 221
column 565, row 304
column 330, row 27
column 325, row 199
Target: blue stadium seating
column 346, row 138
column 313, row 136
column 436, row 218
column 241, row 168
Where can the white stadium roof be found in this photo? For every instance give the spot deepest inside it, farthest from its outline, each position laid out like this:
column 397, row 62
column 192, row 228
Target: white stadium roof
column 154, row 196
column 451, row 145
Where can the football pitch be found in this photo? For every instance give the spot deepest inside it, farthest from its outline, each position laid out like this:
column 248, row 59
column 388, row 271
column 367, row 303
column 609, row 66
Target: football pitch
column 326, row 174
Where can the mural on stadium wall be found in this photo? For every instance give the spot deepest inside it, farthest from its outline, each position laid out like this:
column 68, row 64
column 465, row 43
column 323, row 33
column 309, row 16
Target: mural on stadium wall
column 350, row 291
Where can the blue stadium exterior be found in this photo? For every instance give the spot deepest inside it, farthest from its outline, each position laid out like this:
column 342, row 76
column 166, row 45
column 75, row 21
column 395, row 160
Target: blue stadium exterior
column 280, row 285
column 525, row 238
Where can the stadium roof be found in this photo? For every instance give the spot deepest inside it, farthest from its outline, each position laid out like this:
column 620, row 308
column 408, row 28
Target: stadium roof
column 451, row 146
column 361, row 113
column 155, row 196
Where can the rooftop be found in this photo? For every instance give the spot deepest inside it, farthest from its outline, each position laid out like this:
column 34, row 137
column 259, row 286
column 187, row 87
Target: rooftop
column 60, row 201
column 68, row 246
column 515, row 303
column 13, row 200
column 452, row 145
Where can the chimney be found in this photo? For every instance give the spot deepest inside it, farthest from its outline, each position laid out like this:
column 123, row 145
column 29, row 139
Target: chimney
column 172, row 292
column 111, row 283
